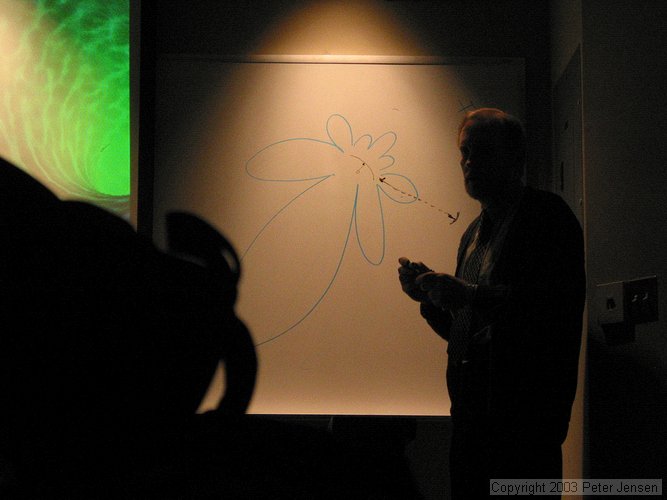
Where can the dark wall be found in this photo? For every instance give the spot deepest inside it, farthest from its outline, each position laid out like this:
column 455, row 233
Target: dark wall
column 625, row 126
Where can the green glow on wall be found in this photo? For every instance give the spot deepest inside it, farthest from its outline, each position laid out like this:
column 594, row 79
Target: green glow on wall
column 65, row 101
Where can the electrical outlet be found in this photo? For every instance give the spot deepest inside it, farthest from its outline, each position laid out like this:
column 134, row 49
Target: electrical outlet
column 641, row 300
column 631, row 302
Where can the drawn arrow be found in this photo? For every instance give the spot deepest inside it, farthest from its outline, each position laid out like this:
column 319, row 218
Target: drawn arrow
column 451, row 217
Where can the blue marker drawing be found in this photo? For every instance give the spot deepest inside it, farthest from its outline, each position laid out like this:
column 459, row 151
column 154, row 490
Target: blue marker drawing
column 352, row 177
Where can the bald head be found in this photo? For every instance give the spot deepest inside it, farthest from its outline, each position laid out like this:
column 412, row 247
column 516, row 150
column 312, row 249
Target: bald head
column 507, row 127
column 492, row 144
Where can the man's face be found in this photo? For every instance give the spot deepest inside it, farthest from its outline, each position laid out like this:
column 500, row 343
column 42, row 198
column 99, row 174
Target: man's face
column 486, row 164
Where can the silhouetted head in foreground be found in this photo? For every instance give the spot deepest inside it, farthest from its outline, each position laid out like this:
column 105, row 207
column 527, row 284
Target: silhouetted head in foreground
column 111, row 344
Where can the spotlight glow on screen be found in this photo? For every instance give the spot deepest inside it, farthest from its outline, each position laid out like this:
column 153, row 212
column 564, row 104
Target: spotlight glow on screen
column 65, row 96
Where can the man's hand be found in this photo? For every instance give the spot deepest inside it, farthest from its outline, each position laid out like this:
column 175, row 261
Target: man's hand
column 445, row 291
column 408, row 272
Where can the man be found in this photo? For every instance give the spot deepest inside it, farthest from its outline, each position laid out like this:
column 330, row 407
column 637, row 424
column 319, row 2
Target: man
column 512, row 315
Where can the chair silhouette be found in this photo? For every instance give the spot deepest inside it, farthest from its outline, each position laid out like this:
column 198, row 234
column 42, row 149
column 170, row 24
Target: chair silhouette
column 191, row 238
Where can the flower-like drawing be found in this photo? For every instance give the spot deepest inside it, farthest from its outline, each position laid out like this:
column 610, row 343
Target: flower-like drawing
column 350, row 177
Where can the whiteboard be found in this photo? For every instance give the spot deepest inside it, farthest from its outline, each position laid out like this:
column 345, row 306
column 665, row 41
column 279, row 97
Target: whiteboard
column 322, row 171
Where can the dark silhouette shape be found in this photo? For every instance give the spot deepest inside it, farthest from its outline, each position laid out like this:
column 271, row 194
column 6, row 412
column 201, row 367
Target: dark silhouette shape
column 112, row 343
column 511, row 314
column 108, row 348
column 193, row 239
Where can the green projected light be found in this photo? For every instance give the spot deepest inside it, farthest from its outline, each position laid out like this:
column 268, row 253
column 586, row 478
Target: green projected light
column 65, row 96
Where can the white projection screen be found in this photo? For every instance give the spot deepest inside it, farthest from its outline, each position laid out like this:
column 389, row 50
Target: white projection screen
column 322, row 171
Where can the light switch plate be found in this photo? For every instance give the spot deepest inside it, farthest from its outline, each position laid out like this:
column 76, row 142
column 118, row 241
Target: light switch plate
column 633, row 302
column 609, row 303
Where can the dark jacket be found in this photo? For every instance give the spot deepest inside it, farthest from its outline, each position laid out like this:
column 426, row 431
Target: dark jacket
column 532, row 337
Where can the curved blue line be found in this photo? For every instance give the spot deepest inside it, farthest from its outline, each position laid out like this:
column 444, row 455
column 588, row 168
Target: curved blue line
column 326, row 290
column 280, row 142
column 356, row 227
column 393, row 160
column 333, row 141
column 265, row 226
column 353, row 217
column 370, row 141
column 416, row 195
column 385, row 155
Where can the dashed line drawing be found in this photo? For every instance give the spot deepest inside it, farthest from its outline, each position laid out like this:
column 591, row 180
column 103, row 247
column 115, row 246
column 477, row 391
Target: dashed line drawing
column 453, row 218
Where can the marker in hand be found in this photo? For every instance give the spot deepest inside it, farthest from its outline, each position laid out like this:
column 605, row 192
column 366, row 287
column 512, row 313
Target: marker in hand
column 407, row 274
column 417, row 267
